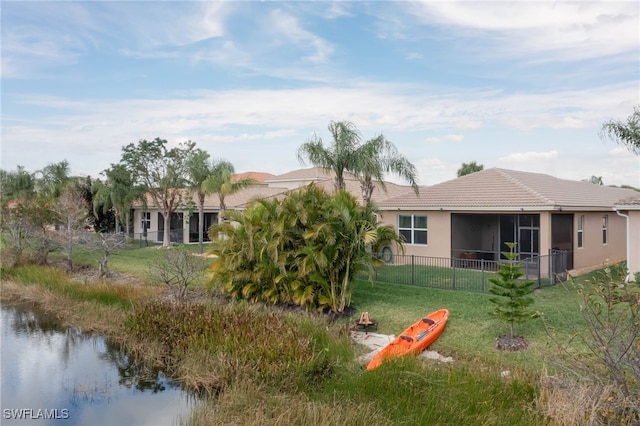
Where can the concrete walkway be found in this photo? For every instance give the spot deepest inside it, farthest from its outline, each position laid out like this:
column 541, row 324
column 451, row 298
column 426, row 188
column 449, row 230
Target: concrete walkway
column 375, row 342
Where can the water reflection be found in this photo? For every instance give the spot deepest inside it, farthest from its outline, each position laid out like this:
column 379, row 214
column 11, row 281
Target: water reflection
column 54, row 376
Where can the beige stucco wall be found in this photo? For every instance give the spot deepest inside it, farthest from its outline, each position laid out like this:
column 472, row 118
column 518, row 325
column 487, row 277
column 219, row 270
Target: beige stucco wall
column 438, row 232
column 634, row 242
column 594, row 253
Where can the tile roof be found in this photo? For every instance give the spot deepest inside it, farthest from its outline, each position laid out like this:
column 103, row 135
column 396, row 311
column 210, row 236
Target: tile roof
column 631, row 202
column 257, row 176
column 240, row 199
column 497, row 188
column 379, row 194
column 310, row 174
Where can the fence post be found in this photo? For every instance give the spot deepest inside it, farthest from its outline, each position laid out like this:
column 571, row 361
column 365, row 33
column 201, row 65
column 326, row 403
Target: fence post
column 482, row 273
column 413, row 269
column 453, row 273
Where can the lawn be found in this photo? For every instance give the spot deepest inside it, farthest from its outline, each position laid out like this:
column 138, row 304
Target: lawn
column 469, row 390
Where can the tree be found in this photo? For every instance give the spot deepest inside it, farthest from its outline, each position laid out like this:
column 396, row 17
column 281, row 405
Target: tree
column 305, row 249
column 339, row 157
column 199, row 169
column 368, row 161
column 15, row 185
column 54, row 178
column 610, row 309
column 220, row 182
column 467, row 169
column 108, row 243
column 376, row 157
column 39, row 214
column 512, row 295
column 626, row 134
column 71, row 210
column 208, row 177
column 596, row 180
column 162, row 172
column 178, row 268
column 117, row 192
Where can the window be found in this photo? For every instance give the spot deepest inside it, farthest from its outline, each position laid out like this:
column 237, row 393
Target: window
column 605, row 226
column 413, row 229
column 146, row 221
column 581, row 231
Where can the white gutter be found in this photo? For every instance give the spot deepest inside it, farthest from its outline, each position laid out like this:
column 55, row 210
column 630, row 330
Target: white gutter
column 628, row 278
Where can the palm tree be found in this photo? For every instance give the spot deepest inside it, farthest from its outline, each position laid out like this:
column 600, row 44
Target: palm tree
column 200, row 169
column 377, row 157
column 625, row 134
column 16, row 185
column 369, row 162
column 53, row 179
column 339, row 157
column 118, row 192
column 220, row 182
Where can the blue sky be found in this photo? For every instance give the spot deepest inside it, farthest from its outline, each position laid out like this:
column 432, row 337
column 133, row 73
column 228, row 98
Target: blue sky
column 517, row 85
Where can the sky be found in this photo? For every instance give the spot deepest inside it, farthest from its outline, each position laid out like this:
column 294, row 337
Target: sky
column 520, row 85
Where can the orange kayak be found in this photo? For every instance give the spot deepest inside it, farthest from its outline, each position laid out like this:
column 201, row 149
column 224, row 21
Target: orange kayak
column 414, row 339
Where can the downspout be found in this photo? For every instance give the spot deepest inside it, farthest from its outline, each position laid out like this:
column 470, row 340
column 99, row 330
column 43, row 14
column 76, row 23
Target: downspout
column 628, row 278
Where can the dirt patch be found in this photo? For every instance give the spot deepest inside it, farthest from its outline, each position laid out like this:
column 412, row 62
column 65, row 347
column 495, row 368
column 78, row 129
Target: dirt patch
column 511, row 344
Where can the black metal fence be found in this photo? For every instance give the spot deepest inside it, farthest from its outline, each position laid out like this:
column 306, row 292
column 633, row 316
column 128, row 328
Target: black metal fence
column 466, row 274
column 156, row 237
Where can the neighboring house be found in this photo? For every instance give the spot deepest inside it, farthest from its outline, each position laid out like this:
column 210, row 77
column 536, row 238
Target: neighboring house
column 629, row 208
column 475, row 215
column 470, row 217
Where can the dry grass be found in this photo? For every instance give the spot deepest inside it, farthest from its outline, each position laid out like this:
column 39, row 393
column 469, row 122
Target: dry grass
column 567, row 402
column 269, row 409
column 90, row 315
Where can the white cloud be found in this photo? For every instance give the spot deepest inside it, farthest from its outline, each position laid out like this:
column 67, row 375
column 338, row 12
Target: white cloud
column 527, row 157
column 560, row 30
column 289, row 26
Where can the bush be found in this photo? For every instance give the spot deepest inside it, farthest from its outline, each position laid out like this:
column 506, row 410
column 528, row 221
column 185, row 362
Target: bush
column 609, row 355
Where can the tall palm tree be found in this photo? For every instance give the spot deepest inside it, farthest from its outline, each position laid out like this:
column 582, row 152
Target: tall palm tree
column 117, row 192
column 339, row 157
column 369, row 162
column 220, row 182
column 377, row 157
column 54, row 178
column 200, row 169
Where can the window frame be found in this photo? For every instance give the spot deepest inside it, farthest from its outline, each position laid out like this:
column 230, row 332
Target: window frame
column 580, row 238
column 605, row 229
column 145, row 217
column 413, row 230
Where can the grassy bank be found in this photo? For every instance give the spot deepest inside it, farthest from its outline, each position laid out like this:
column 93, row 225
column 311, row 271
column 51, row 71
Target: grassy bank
column 270, row 367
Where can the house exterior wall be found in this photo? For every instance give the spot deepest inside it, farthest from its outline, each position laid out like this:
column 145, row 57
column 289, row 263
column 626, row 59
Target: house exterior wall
column 155, row 218
column 633, row 262
column 594, row 253
column 438, row 232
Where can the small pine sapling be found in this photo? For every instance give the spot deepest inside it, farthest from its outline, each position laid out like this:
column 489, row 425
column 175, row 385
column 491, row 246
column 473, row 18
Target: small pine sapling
column 511, row 294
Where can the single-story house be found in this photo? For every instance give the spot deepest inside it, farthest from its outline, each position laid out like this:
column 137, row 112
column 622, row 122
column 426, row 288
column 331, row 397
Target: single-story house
column 475, row 215
column 469, row 217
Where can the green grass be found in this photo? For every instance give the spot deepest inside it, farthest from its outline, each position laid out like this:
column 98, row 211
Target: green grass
column 442, row 277
column 59, row 282
column 471, row 330
column 133, row 260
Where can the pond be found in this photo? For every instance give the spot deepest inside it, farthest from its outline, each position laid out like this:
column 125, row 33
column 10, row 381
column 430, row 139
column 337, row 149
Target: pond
column 55, row 376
